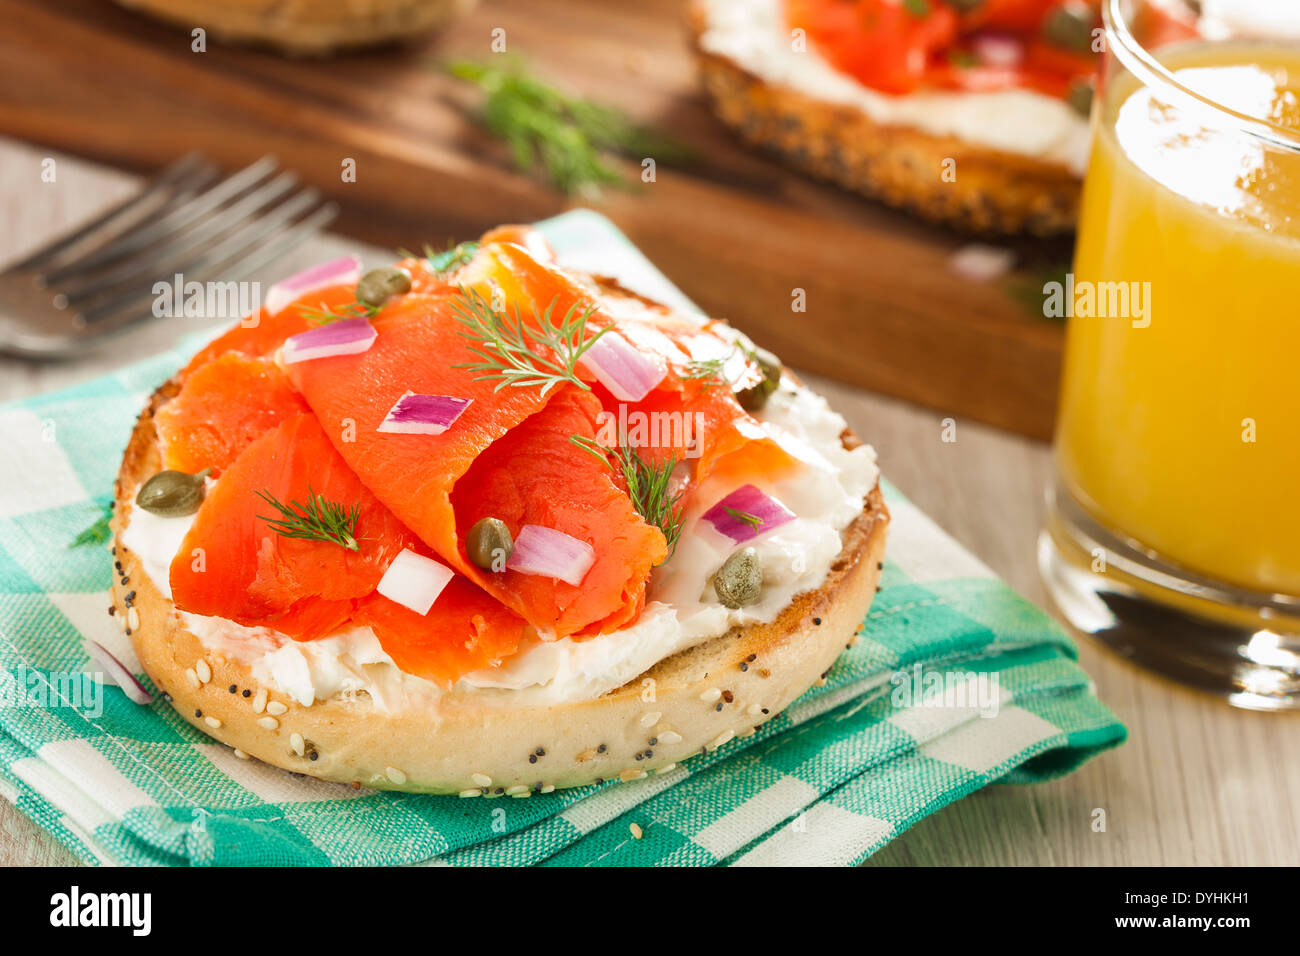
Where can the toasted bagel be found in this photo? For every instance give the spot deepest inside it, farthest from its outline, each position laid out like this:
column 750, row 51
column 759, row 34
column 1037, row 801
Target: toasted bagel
column 989, row 190
column 698, row 699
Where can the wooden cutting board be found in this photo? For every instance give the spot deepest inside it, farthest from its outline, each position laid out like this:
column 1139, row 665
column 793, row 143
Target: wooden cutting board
column 736, row 231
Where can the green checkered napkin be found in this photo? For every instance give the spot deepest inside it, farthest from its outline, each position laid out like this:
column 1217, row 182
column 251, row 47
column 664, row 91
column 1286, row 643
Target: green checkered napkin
column 841, row 772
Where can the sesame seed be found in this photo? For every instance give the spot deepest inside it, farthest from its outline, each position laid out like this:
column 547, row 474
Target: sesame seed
column 599, row 781
column 132, row 619
column 600, row 749
column 232, row 688
column 130, row 596
column 650, row 719
column 212, row 722
column 276, row 708
column 728, row 696
column 395, row 775
column 112, row 609
column 499, row 790
column 744, row 666
column 880, row 565
column 710, row 695
column 649, row 754
column 548, row 788
column 652, row 741
column 203, row 670
column 516, row 790
column 540, row 751
column 631, row 774
column 475, row 792
column 198, row 713
column 670, row 737
column 817, row 622
column 268, row 723
column 765, row 710
column 718, row 706
column 722, row 738
column 522, row 796
column 247, row 692
column 121, row 622
column 532, row 758
column 751, row 658
column 640, row 756
column 240, row 754
column 747, row 732
column 259, row 702
column 298, row 745
column 667, row 767
column 753, row 710
column 313, row 755
column 192, row 677
column 636, row 831
column 482, row 779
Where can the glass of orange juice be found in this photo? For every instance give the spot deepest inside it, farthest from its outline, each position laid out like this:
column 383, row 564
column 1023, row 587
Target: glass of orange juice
column 1173, row 531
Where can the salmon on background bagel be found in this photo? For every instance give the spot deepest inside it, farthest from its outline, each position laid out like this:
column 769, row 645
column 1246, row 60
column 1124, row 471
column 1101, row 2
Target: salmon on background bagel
column 479, row 524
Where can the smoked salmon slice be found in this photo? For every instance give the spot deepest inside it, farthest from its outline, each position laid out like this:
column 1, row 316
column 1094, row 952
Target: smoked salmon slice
column 418, row 347
column 221, row 408
column 233, row 564
column 537, row 475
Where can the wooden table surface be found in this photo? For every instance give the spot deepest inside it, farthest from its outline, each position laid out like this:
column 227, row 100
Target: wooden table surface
column 1198, row 783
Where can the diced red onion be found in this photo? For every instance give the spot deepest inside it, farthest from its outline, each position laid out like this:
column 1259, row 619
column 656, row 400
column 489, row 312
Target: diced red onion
column 748, row 500
column 629, row 375
column 415, row 414
column 118, row 673
column 996, row 49
column 345, row 337
column 343, row 271
column 548, row 553
column 414, row 581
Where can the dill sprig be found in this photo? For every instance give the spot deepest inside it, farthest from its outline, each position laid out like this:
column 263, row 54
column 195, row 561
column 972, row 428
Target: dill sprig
column 649, row 486
column 451, row 258
column 317, row 520
column 750, row 519
column 709, row 371
column 98, row 532
column 519, row 352
column 564, row 135
column 324, row 315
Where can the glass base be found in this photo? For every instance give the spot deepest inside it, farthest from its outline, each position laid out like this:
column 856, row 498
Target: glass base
column 1236, row 643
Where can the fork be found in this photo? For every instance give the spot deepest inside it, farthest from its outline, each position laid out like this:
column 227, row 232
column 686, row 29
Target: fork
column 98, row 279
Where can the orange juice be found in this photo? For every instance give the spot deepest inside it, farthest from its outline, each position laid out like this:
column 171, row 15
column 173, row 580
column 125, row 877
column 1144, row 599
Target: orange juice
column 1180, row 428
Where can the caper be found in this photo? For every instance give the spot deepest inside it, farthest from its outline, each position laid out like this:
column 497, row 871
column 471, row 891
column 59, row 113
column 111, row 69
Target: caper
column 1080, row 97
column 755, row 396
column 740, row 579
column 172, row 494
column 489, row 544
column 1070, row 26
column 379, row 285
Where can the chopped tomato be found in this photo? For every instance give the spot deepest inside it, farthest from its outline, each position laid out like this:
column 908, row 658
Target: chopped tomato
column 885, row 43
column 901, row 46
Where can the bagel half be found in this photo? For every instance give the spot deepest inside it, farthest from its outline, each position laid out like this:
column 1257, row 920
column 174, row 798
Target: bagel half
column 306, row 27
column 993, row 191
column 702, row 696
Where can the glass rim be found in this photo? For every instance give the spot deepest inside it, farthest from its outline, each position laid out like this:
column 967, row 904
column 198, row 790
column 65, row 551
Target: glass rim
column 1152, row 73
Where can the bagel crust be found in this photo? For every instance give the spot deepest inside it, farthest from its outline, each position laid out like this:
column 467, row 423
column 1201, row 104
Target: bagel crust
column 687, row 704
column 993, row 192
